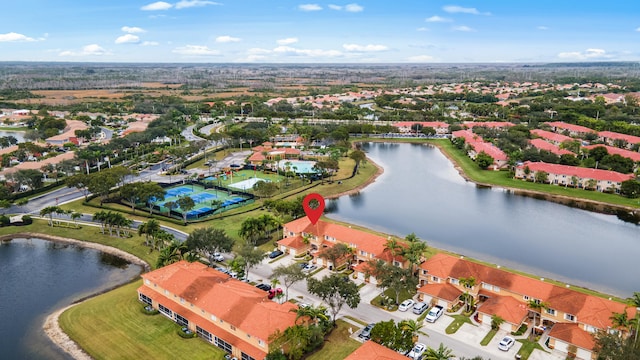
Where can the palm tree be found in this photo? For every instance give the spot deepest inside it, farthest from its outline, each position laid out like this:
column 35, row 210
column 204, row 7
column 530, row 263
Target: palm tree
column 468, row 283
column 101, row 216
column 75, row 216
column 635, row 301
column 393, row 246
column 442, row 353
column 414, row 327
column 315, row 313
column 536, row 306
column 49, row 211
column 621, row 320
column 171, row 254
column 150, row 228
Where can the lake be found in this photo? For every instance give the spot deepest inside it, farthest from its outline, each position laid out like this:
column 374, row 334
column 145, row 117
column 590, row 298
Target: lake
column 421, row 192
column 38, row 277
column 19, row 135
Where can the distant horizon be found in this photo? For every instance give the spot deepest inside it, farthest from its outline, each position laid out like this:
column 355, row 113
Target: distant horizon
column 318, row 32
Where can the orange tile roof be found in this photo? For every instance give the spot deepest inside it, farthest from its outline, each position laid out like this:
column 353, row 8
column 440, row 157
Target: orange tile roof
column 203, row 286
column 373, row 351
column 372, row 244
column 570, row 127
column 588, row 309
column 507, row 307
column 584, row 173
column 559, row 138
column 294, row 242
column 617, row 136
column 444, row 291
column 633, row 155
column 543, row 145
column 572, row 334
column 206, row 324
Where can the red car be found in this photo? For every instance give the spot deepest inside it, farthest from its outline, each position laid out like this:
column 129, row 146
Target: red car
column 274, row 292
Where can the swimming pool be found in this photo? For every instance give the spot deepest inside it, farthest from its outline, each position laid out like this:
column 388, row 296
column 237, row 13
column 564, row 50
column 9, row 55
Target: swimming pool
column 298, row 166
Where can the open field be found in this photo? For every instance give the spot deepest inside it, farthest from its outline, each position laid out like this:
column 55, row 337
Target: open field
column 112, row 326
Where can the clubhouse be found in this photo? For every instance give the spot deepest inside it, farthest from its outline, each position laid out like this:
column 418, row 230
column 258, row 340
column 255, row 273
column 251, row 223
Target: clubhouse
column 567, row 317
column 230, row 314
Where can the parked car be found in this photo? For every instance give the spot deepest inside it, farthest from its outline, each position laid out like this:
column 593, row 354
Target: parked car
column 275, row 253
column 365, row 334
column 506, row 343
column 309, row 268
column 420, row 307
column 406, row 305
column 434, row 314
column 417, row 351
column 265, row 287
column 218, row 257
column 274, row 292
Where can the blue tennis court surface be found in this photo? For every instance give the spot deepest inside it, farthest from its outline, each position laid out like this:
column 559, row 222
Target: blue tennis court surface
column 177, row 191
column 203, row 196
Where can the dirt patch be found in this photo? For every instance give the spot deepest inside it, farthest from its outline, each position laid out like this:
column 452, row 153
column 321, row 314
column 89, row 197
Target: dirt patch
column 51, row 326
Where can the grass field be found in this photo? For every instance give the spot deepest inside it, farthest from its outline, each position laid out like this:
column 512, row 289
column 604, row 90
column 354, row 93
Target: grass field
column 338, row 345
column 112, row 326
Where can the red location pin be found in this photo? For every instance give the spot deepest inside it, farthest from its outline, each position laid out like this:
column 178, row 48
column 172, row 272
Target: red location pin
column 313, row 213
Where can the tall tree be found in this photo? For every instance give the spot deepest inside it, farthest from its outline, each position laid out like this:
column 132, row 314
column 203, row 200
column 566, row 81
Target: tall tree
column 290, row 275
column 186, row 204
column 441, row 353
column 209, row 240
column 335, row 253
column 336, row 290
column 252, row 257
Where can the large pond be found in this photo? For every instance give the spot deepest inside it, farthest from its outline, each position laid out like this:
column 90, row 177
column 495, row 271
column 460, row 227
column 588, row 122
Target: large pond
column 36, row 278
column 19, row 135
column 421, row 192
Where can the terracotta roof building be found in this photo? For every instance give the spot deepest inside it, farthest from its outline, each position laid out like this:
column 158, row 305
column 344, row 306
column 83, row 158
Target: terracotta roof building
column 573, row 130
column 612, row 137
column 543, row 145
column 551, row 137
column 572, row 316
column 633, row 155
column 477, row 145
column 564, row 175
column 226, row 312
column 373, row 351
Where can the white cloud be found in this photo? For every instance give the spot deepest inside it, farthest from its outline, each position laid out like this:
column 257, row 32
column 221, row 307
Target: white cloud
column 257, row 51
column 287, row 41
column 310, row 7
column 455, row 9
column 198, row 50
column 335, row 7
column 462, row 28
column 158, row 5
column 353, row 8
column 363, row 48
column 128, row 39
column 149, row 43
column 12, row 36
column 183, row 4
column 420, row 58
column 585, row 55
column 132, row 29
column 88, row 50
column 436, row 18
column 306, row 52
column 252, row 58
column 227, row 39
column 542, row 28
column 638, row 29
column 422, row 29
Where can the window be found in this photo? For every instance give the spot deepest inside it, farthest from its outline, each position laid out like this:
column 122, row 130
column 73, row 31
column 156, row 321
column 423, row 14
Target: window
column 435, row 279
column 590, row 329
column 222, row 344
column 526, row 298
column 551, row 311
column 455, row 281
column 232, row 327
column 397, row 263
column 181, row 320
column 203, row 333
column 165, row 310
column 260, row 342
column 569, row 317
column 146, row 281
column 246, row 357
column 496, row 289
column 363, row 253
column 214, row 318
column 145, row 299
column 487, row 286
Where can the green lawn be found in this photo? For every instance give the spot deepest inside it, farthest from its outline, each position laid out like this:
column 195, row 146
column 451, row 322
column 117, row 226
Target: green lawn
column 133, row 245
column 528, row 347
column 458, row 320
column 111, row 326
column 338, row 344
column 487, row 339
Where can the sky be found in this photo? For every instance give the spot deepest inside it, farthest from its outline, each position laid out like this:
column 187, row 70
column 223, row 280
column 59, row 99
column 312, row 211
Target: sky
column 273, row 31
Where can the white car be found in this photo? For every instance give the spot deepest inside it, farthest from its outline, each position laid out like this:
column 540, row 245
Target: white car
column 417, row 351
column 218, row 257
column 406, row 305
column 434, row 314
column 506, row 343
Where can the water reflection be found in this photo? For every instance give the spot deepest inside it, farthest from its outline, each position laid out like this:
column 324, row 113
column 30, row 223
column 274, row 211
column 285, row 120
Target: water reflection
column 420, row 191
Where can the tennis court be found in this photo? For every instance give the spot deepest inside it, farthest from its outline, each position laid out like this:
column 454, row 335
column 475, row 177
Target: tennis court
column 207, row 201
column 247, row 184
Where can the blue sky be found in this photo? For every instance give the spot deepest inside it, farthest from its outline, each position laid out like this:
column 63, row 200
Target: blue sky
column 263, row 31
